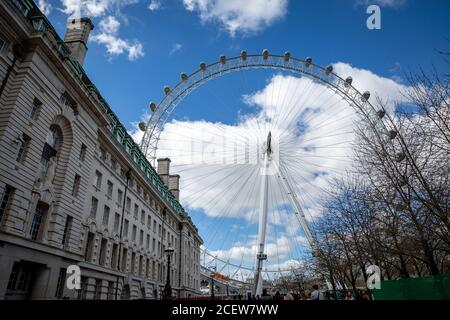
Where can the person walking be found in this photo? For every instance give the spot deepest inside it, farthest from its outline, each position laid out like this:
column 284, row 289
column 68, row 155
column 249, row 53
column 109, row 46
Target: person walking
column 315, row 294
column 289, row 296
column 265, row 296
column 349, row 296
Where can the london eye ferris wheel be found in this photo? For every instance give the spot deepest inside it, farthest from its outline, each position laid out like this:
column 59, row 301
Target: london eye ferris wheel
column 255, row 184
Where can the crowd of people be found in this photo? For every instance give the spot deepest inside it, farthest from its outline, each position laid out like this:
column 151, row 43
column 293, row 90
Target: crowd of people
column 314, row 294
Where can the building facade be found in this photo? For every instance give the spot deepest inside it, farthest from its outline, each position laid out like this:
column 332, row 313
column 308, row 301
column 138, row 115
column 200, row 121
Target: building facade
column 75, row 189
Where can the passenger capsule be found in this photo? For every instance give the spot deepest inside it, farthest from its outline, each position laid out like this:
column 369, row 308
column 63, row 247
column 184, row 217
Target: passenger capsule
column 167, row 90
column 392, row 134
column 308, row 61
column 265, row 54
column 203, row 66
column 243, row 55
column 365, row 96
column 381, row 114
column 329, row 70
column 142, row 126
column 184, row 77
column 348, row 82
column 153, row 106
column 287, row 56
column 399, row 157
column 223, row 59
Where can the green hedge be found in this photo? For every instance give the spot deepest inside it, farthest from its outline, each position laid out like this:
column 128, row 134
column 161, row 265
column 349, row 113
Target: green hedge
column 427, row 288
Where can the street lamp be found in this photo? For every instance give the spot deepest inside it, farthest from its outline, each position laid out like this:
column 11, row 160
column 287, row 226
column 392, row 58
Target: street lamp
column 167, row 294
column 213, row 274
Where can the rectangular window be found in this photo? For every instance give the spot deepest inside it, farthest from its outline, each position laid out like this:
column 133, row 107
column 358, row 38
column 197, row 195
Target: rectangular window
column 125, row 229
column 83, row 152
column 110, row 189
column 136, row 211
column 141, row 237
column 37, row 220
column 76, row 185
column 143, row 217
column 114, row 256
column 133, row 262
column 133, row 237
column 89, row 246
column 35, row 109
column 148, row 242
column 140, row 265
column 149, row 222
column 67, row 229
column 23, row 148
column 116, row 222
column 123, row 266
column 5, row 201
column 154, row 226
column 128, row 205
column 102, row 256
column 147, row 268
column 153, row 245
column 94, row 204
column 61, row 283
column 98, row 289
column 111, row 287
column 21, row 277
column 98, row 180
column 105, row 220
column 119, row 197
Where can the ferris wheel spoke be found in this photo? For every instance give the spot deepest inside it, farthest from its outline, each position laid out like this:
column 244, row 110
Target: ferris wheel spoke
column 246, row 204
column 226, row 211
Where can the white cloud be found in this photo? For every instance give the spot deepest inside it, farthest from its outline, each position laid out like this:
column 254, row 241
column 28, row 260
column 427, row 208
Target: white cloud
column 175, row 48
column 154, row 5
column 93, row 8
column 238, row 16
column 279, row 249
column 115, row 45
column 108, row 12
column 109, row 25
column 45, row 7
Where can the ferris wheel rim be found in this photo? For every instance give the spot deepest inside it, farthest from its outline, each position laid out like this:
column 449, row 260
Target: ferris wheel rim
column 357, row 100
column 353, row 96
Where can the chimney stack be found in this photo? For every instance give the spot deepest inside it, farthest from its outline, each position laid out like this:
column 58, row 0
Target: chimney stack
column 76, row 37
column 174, row 185
column 163, row 170
column 171, row 181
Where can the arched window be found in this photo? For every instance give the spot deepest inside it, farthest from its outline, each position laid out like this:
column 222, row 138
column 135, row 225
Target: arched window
column 51, row 147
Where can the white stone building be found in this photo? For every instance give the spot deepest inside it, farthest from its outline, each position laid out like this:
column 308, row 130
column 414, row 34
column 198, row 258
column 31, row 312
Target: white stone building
column 74, row 187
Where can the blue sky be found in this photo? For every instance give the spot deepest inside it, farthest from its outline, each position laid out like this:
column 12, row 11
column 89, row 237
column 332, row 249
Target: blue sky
column 329, row 31
column 153, row 46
